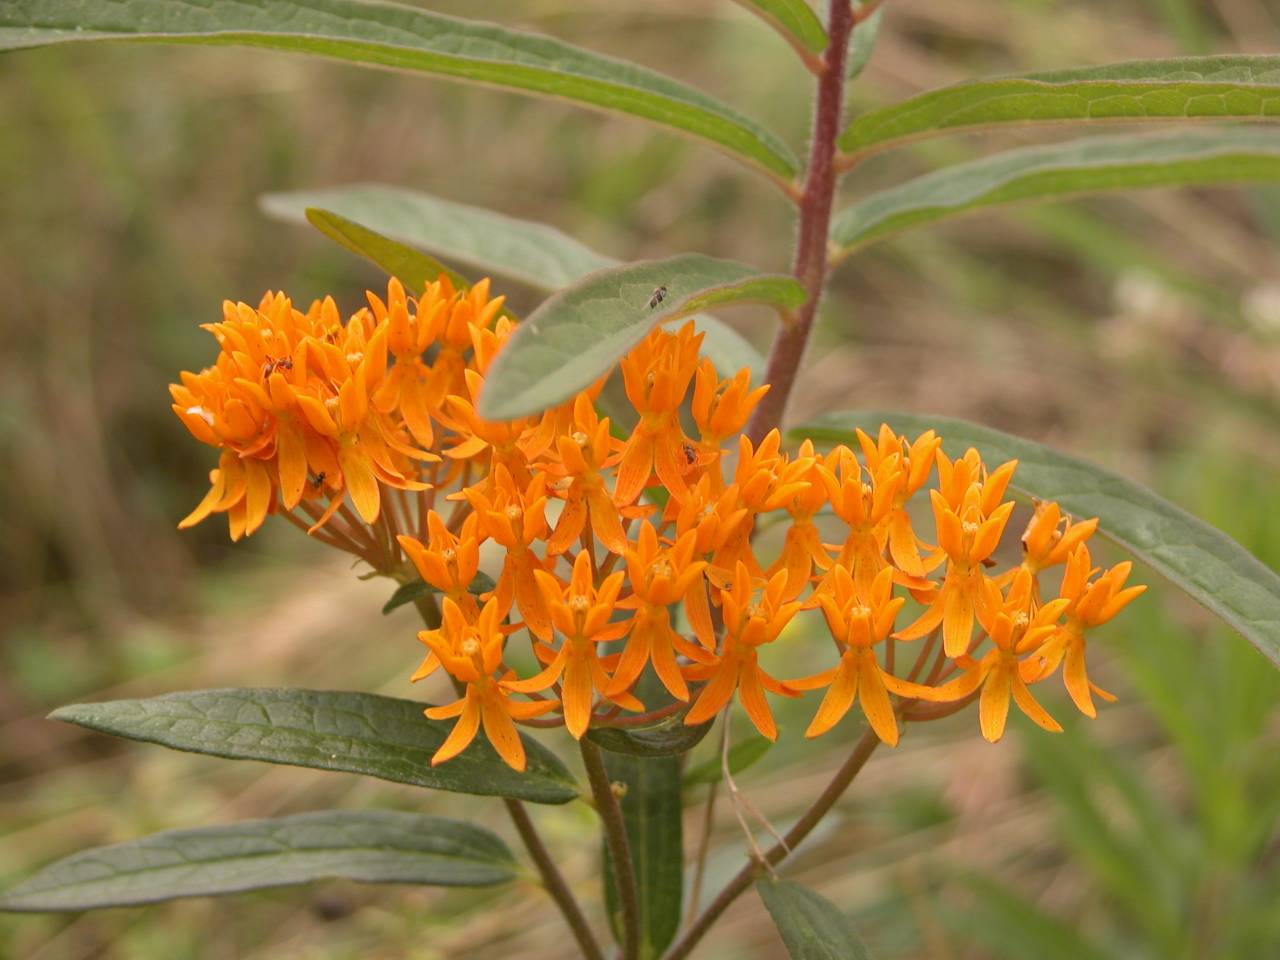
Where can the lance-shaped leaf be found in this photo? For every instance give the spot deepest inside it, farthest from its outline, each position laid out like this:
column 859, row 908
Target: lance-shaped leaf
column 1202, row 561
column 349, row 732
column 1189, row 88
column 651, row 812
column 794, row 19
column 533, row 253
column 1095, row 165
column 406, row 38
column 862, row 45
column 812, row 927
column 380, row 846
column 577, row 335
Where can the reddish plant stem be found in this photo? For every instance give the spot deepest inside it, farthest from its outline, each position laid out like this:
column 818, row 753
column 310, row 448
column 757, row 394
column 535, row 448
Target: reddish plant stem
column 810, row 263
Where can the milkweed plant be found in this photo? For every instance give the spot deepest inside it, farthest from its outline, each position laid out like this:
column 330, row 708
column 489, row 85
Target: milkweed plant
column 572, row 500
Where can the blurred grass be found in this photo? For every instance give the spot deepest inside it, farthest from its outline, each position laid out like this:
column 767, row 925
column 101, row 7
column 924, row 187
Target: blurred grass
column 1143, row 331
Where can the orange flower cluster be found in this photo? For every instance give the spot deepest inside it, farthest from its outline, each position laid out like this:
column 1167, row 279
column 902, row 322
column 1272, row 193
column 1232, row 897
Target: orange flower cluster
column 633, row 544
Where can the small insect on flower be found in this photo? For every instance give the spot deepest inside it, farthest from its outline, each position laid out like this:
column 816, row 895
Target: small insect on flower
column 657, row 297
column 272, row 365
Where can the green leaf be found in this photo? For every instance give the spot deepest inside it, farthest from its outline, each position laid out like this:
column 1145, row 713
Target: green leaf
column 414, row 589
column 812, row 927
column 652, row 811
column 1189, row 88
column 381, row 846
column 794, row 19
column 1201, row 561
column 407, row 593
column 742, row 754
column 667, row 737
column 533, row 253
column 862, row 46
column 414, row 268
column 577, row 335
column 406, row 38
column 1094, row 165
column 349, row 732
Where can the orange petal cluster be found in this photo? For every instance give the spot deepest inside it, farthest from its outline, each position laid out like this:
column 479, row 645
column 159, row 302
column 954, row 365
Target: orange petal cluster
column 651, row 534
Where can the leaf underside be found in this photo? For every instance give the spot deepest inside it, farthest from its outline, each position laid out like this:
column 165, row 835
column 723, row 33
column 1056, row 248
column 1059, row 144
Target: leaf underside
column 1076, row 168
column 577, row 335
column 407, row 38
column 811, row 926
column 380, row 846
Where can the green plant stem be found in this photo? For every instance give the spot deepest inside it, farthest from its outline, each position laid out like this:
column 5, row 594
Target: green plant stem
column 554, row 881
column 615, row 837
column 810, row 261
column 753, row 868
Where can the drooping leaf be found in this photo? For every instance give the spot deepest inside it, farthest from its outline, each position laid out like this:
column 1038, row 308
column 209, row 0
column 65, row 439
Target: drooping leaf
column 812, row 927
column 794, row 19
column 575, row 336
column 1094, row 165
column 742, row 754
column 414, row 268
column 533, row 253
column 862, row 45
column 377, row 846
column 363, row 733
column 414, row 589
column 652, row 811
column 1188, row 88
column 1200, row 560
column 407, row 38
column 667, row 737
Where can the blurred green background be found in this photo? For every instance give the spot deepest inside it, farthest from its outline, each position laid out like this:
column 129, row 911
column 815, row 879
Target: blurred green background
column 1141, row 331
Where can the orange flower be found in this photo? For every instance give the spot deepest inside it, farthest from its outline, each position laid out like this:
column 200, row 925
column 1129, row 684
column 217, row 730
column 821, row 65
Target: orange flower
column 858, row 621
column 970, row 524
column 713, row 521
column 748, row 625
column 1014, row 631
column 516, row 520
column 511, row 444
column 865, row 506
column 584, row 453
column 656, row 375
column 1049, row 540
column 802, row 548
column 473, row 654
column 581, row 614
column 1087, row 604
column 720, row 409
column 916, row 462
column 659, row 578
column 764, row 480
column 289, row 393
column 449, row 563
